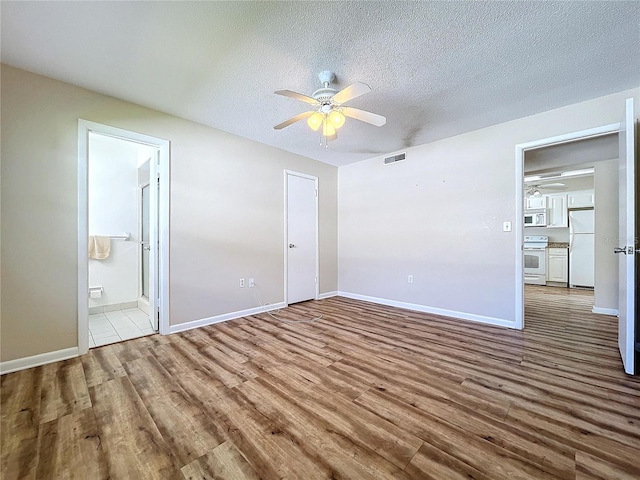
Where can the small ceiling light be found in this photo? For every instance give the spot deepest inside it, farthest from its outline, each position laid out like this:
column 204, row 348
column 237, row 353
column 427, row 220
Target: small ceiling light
column 315, row 120
column 336, row 118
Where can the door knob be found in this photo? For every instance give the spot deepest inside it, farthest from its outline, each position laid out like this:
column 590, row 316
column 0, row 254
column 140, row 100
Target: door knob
column 620, row 250
column 291, row 245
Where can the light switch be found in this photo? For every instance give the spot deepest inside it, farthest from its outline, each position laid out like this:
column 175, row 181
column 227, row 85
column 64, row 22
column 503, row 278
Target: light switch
column 506, row 226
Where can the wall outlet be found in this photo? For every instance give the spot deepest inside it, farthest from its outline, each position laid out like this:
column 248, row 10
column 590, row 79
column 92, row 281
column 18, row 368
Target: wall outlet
column 252, row 283
column 410, row 279
column 242, row 283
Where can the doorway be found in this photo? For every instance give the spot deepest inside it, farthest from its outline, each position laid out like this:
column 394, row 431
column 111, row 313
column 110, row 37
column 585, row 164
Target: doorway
column 568, row 139
column 627, row 228
column 123, row 212
column 301, row 237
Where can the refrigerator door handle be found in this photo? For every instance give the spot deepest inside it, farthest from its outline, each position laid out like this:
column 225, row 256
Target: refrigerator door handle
column 570, row 234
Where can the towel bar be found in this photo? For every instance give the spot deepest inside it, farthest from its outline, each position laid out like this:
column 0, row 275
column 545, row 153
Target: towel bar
column 126, row 236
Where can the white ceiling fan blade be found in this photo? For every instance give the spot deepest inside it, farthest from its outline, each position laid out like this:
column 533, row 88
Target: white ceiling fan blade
column 298, row 96
column 364, row 116
column 352, row 91
column 295, row 119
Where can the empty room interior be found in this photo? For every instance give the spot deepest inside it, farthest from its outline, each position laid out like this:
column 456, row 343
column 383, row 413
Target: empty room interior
column 319, row 240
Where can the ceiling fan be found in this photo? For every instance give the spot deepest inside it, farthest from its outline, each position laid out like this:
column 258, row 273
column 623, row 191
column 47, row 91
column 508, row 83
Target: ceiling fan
column 533, row 190
column 328, row 109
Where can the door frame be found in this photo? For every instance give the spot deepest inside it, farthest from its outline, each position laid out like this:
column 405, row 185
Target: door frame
column 521, row 148
column 287, row 173
column 160, row 170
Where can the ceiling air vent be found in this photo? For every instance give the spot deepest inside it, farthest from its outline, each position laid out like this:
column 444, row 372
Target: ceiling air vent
column 394, row 159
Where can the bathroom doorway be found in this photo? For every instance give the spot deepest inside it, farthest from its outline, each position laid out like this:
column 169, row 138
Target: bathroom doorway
column 122, row 256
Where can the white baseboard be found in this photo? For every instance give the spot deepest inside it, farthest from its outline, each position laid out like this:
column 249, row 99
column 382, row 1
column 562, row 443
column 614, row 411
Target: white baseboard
column 37, row 360
column 322, row 296
column 605, row 311
column 437, row 311
column 181, row 327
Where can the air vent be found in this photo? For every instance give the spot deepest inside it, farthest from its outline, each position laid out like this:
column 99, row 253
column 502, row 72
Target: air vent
column 394, row 159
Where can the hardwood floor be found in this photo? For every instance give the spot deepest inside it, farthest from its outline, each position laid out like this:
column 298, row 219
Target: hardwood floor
column 367, row 392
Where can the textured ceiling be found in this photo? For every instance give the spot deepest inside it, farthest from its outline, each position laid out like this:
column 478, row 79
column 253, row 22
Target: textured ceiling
column 436, row 68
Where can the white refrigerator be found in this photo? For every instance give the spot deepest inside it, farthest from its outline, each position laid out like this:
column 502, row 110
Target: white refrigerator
column 581, row 248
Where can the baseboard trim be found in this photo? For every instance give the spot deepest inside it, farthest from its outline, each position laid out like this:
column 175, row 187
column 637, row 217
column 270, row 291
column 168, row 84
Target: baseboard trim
column 36, row 360
column 605, row 311
column 322, row 296
column 203, row 322
column 500, row 322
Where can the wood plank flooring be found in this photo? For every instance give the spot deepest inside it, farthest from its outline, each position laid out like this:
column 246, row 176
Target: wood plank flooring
column 367, row 392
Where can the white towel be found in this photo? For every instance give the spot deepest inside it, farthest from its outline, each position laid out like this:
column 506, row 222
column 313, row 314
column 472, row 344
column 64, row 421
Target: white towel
column 99, row 246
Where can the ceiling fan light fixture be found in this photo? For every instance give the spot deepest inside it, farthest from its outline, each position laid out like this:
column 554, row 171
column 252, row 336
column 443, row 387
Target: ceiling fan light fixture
column 329, row 109
column 328, row 129
column 315, row 120
column 336, row 118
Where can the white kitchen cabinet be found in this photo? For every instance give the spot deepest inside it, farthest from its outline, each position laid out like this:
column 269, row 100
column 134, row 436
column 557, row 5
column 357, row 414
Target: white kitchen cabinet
column 558, row 265
column 535, row 203
column 580, row 199
column 558, row 216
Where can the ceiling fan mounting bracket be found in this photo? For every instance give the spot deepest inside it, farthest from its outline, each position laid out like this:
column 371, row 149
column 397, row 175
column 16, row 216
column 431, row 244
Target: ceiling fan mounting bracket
column 326, row 77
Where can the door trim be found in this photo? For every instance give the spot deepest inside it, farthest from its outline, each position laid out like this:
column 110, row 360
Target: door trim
column 521, row 148
column 163, row 146
column 286, row 232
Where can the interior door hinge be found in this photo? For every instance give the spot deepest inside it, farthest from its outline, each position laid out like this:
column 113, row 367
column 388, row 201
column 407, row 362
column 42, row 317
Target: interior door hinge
column 316, row 280
column 316, row 190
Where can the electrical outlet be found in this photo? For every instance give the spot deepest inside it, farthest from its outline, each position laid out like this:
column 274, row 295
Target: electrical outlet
column 242, row 283
column 410, row 279
column 252, row 283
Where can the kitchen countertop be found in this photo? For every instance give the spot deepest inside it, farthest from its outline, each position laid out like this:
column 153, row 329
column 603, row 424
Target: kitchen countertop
column 558, row 245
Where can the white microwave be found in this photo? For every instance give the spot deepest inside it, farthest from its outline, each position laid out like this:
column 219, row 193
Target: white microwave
column 537, row 218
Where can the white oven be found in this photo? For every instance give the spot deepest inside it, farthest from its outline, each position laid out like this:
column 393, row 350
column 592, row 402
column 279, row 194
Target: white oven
column 535, row 259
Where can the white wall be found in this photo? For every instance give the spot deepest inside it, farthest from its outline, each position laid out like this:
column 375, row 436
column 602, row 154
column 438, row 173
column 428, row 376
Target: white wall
column 606, row 234
column 226, row 213
column 438, row 215
column 113, row 210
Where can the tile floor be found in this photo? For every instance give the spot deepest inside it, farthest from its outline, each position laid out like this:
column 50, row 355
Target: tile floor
column 119, row 325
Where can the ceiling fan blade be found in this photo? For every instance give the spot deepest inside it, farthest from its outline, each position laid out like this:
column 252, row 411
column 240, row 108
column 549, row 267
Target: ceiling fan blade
column 352, row 91
column 295, row 119
column 298, row 96
column 364, row 116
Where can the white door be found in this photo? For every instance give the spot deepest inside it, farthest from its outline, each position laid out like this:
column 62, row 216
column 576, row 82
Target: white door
column 628, row 245
column 302, row 237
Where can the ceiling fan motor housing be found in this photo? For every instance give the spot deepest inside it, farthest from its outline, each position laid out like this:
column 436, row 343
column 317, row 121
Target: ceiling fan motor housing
column 324, row 95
